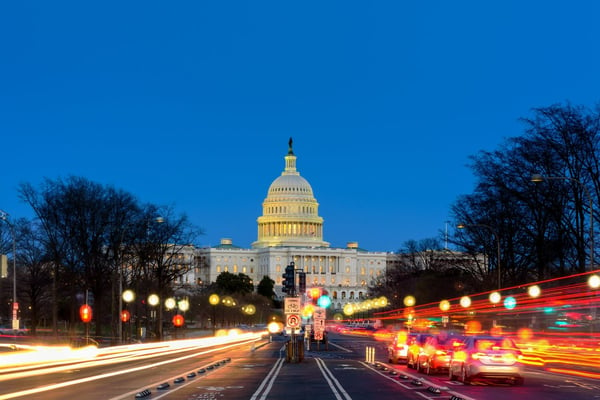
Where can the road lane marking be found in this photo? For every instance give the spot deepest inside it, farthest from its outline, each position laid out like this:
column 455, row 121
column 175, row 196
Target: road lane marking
column 417, row 388
column 268, row 381
column 41, row 389
column 332, row 381
column 341, row 347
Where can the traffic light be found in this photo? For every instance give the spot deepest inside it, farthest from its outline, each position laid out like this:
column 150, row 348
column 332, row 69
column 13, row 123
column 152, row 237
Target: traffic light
column 302, row 282
column 314, row 293
column 289, row 280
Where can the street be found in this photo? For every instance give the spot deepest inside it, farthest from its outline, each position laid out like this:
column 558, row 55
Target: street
column 257, row 369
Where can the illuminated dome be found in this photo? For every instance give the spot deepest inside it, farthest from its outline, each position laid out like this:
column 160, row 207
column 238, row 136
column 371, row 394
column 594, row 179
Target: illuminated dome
column 290, row 211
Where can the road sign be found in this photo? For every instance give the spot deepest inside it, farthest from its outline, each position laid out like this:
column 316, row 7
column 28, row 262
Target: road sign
column 292, row 305
column 319, row 325
column 293, row 320
column 319, row 319
column 319, row 313
column 318, row 335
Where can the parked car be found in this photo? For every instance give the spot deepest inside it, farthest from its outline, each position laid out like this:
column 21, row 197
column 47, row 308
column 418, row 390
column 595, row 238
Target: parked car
column 436, row 352
column 8, row 330
column 398, row 348
column 487, row 357
column 416, row 348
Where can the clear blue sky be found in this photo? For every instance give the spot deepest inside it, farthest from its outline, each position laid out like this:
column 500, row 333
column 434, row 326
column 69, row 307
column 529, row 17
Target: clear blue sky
column 192, row 103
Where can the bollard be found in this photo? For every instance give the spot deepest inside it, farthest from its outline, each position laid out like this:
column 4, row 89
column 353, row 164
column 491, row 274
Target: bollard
column 370, row 354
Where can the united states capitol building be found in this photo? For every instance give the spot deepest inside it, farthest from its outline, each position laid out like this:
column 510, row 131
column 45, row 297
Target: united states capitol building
column 291, row 229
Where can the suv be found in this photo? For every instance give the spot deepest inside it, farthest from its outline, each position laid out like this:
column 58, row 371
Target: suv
column 487, row 357
column 398, row 349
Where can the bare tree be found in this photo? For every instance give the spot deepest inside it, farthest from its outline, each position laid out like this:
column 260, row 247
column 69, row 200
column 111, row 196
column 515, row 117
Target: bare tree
column 543, row 228
column 36, row 273
column 90, row 232
column 158, row 253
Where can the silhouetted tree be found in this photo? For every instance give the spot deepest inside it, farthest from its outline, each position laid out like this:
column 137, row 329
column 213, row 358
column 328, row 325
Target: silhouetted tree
column 228, row 283
column 543, row 228
column 266, row 287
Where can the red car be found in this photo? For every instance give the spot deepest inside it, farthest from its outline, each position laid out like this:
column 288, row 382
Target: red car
column 436, row 353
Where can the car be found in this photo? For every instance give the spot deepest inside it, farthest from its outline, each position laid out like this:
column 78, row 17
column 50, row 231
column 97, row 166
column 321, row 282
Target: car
column 493, row 358
column 436, row 352
column 398, row 348
column 416, row 348
column 9, row 331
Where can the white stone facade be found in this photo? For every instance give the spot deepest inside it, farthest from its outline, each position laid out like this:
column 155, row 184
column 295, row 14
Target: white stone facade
column 344, row 273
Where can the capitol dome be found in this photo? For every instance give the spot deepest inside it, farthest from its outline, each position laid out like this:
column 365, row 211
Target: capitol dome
column 290, row 211
column 290, row 186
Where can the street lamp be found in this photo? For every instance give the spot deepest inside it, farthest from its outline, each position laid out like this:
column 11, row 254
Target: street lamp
column 463, row 226
column 539, row 178
column 594, row 281
column 128, row 296
column 15, row 319
column 153, row 300
column 214, row 301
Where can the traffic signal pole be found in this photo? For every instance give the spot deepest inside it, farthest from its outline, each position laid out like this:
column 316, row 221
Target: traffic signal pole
column 294, row 347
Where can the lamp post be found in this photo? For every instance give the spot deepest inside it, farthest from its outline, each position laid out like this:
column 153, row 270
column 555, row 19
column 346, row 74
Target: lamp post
column 15, row 308
column 540, row 178
column 463, row 226
column 229, row 302
column 214, row 301
column 153, row 300
column 128, row 296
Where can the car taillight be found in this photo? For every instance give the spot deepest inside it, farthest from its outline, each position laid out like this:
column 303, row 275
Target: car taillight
column 440, row 353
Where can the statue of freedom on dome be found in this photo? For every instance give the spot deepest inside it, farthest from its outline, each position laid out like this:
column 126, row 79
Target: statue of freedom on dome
column 290, row 151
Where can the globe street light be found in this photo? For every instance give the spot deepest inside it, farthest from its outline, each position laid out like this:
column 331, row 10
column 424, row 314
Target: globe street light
column 463, row 226
column 594, row 281
column 170, row 303
column 539, row 178
column 214, row 301
column 153, row 300
column 183, row 305
column 594, row 284
column 128, row 296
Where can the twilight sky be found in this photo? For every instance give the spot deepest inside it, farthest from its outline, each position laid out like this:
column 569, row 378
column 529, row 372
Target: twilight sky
column 192, row 103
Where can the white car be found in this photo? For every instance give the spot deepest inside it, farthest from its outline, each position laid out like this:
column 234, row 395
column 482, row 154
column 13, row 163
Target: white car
column 398, row 349
column 489, row 358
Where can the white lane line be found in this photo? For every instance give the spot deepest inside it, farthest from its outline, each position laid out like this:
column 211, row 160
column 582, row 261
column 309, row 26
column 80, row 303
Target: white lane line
column 417, row 388
column 332, row 381
column 268, row 381
column 340, row 347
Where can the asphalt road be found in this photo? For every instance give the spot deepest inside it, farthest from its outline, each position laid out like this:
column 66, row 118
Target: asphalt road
column 259, row 371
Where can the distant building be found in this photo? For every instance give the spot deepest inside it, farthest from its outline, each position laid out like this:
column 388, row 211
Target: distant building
column 290, row 229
